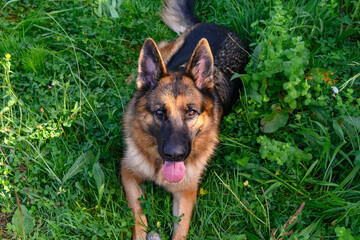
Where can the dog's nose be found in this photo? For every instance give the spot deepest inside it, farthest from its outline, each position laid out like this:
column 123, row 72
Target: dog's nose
column 175, row 153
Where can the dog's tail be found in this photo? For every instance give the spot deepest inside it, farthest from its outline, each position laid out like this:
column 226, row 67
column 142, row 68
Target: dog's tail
column 179, row 14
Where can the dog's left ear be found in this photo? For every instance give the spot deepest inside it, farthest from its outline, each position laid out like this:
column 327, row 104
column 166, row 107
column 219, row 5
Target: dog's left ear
column 151, row 66
column 201, row 65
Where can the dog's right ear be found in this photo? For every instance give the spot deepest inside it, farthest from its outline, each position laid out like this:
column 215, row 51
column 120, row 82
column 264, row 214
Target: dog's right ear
column 151, row 66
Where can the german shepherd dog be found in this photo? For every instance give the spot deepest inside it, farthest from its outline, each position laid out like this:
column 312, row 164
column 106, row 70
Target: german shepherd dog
column 172, row 122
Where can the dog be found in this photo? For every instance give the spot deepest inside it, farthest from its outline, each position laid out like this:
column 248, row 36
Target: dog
column 171, row 125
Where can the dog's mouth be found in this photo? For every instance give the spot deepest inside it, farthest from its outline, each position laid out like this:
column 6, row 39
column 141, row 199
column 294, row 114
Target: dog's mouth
column 173, row 171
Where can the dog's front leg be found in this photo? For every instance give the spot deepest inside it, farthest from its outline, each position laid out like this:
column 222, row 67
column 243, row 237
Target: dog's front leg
column 133, row 192
column 183, row 204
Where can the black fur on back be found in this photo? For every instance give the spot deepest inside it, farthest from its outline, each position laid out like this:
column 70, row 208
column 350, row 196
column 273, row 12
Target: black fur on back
column 230, row 53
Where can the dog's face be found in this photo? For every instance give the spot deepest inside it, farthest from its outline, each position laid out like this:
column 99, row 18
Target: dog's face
column 178, row 106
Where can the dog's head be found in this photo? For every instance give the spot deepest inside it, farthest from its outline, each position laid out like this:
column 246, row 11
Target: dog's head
column 178, row 106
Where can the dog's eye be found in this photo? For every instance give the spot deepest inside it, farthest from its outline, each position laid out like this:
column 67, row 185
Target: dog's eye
column 159, row 113
column 192, row 113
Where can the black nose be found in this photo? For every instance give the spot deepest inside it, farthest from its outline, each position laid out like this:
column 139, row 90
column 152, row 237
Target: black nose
column 175, row 153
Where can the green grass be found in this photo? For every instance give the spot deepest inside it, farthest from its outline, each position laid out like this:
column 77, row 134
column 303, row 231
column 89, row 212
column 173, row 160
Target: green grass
column 286, row 142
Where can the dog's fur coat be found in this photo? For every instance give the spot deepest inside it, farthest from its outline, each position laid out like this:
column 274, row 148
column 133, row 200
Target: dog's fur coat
column 171, row 124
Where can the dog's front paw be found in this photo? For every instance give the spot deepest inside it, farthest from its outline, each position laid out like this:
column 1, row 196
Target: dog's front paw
column 153, row 236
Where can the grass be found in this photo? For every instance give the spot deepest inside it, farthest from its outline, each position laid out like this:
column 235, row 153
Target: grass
column 286, row 142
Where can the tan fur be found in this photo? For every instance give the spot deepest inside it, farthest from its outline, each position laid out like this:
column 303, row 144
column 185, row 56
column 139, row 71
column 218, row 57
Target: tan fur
column 133, row 189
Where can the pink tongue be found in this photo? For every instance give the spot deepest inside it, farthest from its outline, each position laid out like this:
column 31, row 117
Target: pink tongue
column 173, row 171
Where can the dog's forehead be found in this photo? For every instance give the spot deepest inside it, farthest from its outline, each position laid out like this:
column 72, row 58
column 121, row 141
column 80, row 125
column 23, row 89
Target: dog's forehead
column 177, row 86
column 176, row 83
column 177, row 89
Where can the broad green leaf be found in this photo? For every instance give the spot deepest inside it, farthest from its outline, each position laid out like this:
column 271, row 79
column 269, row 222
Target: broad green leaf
column 343, row 233
column 12, row 101
column 311, row 229
column 254, row 95
column 98, row 175
column 354, row 121
column 99, row 179
column 236, row 75
column 273, row 187
column 338, row 129
column 255, row 55
column 243, row 161
column 317, row 70
column 246, row 78
column 320, row 113
column 275, row 120
column 27, row 221
column 113, row 12
column 78, row 165
column 352, row 133
column 254, row 85
column 98, row 11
